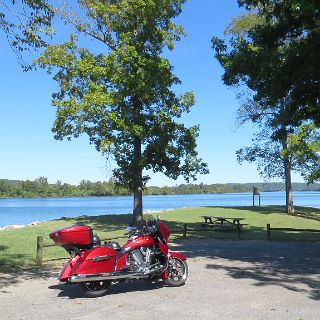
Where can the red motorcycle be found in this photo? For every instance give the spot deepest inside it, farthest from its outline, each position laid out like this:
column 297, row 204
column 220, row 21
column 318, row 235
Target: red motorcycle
column 94, row 267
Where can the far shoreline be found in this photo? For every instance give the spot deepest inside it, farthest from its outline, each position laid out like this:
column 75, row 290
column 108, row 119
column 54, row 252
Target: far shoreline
column 42, row 189
column 148, row 195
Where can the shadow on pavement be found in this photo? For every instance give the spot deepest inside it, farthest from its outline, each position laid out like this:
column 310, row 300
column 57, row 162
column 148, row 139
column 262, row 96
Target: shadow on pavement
column 13, row 277
column 291, row 265
column 74, row 292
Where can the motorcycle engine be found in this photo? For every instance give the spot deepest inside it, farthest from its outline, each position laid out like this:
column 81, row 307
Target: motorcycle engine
column 142, row 259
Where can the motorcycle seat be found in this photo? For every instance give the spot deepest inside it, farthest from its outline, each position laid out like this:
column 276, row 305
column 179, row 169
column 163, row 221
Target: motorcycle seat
column 114, row 245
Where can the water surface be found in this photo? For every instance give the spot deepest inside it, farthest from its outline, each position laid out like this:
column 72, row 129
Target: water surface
column 25, row 211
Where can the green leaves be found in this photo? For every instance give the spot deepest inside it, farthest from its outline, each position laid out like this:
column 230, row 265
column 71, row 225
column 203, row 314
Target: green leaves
column 304, row 146
column 290, row 37
column 27, row 24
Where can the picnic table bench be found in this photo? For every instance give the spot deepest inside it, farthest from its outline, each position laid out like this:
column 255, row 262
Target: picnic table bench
column 223, row 223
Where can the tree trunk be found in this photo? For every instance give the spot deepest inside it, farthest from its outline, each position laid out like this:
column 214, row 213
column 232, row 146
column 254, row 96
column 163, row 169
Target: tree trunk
column 137, row 173
column 137, row 206
column 287, row 177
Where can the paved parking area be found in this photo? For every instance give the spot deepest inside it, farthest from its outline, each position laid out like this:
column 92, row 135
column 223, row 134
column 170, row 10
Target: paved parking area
column 228, row 280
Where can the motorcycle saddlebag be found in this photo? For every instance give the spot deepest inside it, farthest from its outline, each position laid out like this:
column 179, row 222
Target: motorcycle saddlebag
column 95, row 261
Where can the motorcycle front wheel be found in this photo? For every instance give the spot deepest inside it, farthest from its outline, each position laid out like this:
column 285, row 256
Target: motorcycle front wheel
column 177, row 273
column 94, row 289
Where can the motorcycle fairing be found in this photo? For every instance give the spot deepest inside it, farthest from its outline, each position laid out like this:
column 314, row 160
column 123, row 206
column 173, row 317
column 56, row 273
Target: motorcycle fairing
column 164, row 248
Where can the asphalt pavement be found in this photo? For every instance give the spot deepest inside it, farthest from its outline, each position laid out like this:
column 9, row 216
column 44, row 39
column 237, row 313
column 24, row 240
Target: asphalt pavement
column 243, row 280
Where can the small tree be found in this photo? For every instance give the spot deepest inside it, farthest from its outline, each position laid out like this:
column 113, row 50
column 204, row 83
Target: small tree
column 273, row 159
column 122, row 98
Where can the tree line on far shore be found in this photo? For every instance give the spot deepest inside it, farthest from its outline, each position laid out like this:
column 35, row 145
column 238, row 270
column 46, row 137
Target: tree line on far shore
column 40, row 187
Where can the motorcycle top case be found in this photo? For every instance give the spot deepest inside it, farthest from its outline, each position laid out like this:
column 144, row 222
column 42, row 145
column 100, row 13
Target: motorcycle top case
column 78, row 235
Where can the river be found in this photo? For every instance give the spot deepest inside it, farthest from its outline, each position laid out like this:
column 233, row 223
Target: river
column 26, row 211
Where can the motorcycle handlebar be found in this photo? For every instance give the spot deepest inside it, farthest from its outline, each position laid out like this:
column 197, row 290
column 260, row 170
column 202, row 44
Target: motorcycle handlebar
column 146, row 228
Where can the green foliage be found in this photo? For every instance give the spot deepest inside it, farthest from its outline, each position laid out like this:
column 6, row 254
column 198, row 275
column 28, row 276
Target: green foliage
column 123, row 98
column 304, row 145
column 241, row 25
column 266, row 154
column 26, row 23
column 279, row 59
column 270, row 153
column 41, row 188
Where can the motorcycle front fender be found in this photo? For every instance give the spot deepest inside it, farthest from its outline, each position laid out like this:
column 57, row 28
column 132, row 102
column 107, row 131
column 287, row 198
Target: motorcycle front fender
column 178, row 255
column 173, row 254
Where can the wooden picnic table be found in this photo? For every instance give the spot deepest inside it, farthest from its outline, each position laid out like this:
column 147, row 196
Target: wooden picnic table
column 223, row 221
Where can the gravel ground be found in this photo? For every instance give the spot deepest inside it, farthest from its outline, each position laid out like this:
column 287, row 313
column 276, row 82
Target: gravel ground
column 227, row 280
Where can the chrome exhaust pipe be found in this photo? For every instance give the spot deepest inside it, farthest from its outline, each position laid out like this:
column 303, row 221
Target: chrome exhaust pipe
column 113, row 276
column 105, row 276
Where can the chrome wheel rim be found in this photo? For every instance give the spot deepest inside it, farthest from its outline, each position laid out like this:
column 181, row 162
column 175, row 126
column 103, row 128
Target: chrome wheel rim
column 96, row 285
column 177, row 270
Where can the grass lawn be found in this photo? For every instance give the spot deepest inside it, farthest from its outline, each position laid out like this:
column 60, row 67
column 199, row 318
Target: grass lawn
column 18, row 246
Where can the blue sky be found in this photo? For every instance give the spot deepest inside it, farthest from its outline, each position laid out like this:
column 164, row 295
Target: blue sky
column 28, row 148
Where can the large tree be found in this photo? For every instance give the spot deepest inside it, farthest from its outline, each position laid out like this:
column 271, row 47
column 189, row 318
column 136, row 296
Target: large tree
column 120, row 92
column 252, row 61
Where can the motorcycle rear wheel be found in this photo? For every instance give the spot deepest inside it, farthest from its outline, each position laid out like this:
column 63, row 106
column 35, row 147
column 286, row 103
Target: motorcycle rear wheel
column 94, row 289
column 177, row 273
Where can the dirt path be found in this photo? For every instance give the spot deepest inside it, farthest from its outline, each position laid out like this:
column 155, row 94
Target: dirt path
column 228, row 280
